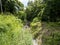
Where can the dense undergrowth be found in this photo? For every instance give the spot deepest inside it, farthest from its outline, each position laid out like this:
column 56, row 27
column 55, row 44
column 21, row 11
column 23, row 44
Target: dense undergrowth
column 40, row 19
column 11, row 32
column 52, row 34
column 36, row 27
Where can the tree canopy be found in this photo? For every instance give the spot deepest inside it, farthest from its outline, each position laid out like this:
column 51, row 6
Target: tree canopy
column 11, row 6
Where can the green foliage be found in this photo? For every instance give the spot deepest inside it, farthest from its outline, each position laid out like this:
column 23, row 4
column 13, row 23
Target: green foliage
column 11, row 6
column 21, row 15
column 52, row 36
column 33, row 10
column 52, row 11
column 11, row 32
column 35, row 27
column 52, row 39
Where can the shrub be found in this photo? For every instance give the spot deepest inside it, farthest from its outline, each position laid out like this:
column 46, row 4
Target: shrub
column 35, row 27
column 52, row 35
column 11, row 32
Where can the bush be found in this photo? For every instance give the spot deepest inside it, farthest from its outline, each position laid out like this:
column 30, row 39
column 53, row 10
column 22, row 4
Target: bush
column 11, row 32
column 35, row 27
column 52, row 39
column 52, row 35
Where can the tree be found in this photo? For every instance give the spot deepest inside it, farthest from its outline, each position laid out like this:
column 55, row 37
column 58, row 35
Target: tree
column 33, row 9
column 11, row 6
column 1, row 6
column 52, row 11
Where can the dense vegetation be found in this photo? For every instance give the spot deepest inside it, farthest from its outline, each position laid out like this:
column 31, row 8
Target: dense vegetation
column 11, row 6
column 42, row 18
column 52, row 35
column 11, row 32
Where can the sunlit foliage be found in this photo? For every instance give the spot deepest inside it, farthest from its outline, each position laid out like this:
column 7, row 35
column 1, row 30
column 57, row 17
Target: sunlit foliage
column 12, row 33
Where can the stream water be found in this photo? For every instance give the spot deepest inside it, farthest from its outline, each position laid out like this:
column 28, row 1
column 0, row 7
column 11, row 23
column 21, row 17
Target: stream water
column 34, row 42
